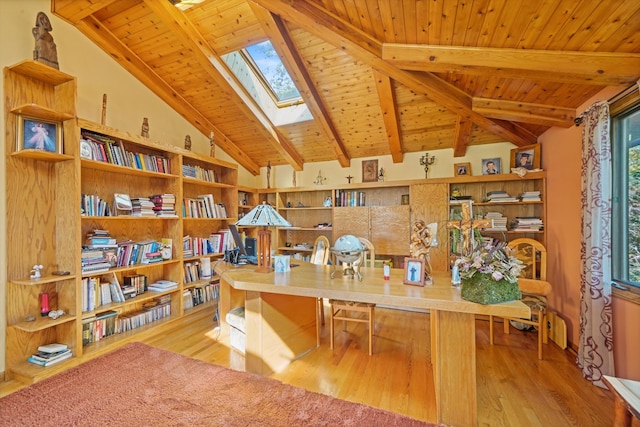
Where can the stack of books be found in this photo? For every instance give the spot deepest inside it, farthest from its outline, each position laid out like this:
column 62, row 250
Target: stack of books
column 499, row 196
column 499, row 221
column 164, row 205
column 526, row 223
column 50, row 354
column 163, row 286
column 530, row 196
column 142, row 206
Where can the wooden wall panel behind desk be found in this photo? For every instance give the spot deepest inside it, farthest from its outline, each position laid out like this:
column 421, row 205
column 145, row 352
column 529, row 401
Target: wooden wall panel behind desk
column 430, row 203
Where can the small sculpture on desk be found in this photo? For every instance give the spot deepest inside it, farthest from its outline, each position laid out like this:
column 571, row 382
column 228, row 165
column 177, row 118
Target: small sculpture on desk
column 145, row 127
column 45, row 50
column 421, row 242
column 187, row 142
column 35, row 272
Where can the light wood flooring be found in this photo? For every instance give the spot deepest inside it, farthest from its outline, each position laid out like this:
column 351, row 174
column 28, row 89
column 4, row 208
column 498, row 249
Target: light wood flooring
column 514, row 387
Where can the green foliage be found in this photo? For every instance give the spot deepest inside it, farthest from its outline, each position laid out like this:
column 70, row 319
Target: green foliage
column 481, row 288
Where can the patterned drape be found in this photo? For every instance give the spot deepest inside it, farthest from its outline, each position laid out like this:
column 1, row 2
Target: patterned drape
column 595, row 352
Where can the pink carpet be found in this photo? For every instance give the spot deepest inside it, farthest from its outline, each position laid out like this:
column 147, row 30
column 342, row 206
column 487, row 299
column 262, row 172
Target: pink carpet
column 138, row 385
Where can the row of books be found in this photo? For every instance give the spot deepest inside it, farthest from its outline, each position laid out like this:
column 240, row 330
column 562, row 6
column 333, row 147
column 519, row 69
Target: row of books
column 203, row 206
column 110, row 322
column 346, row 198
column 164, row 205
column 498, row 220
column 201, row 294
column 499, row 196
column 200, row 173
column 105, row 149
column 93, row 205
column 527, row 223
column 99, row 291
column 50, row 354
column 216, row 243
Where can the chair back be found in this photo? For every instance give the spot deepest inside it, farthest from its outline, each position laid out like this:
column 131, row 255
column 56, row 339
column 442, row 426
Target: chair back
column 534, row 287
column 533, row 255
column 368, row 257
column 320, row 253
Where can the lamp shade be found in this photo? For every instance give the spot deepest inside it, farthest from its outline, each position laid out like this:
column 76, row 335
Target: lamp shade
column 263, row 215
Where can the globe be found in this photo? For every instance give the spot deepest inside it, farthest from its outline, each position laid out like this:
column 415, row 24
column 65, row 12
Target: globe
column 347, row 249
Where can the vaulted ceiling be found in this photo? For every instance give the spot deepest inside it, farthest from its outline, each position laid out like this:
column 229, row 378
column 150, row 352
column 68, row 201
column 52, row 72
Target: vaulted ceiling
column 380, row 77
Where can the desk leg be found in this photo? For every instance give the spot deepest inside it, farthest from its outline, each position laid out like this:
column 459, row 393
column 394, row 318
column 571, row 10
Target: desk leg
column 279, row 329
column 453, row 356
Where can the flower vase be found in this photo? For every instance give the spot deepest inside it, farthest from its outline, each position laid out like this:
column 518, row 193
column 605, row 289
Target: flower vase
column 481, row 288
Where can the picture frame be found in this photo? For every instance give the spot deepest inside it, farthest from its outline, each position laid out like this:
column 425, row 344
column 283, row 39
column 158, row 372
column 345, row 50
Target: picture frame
column 527, row 157
column 462, row 169
column 414, row 271
column 39, row 134
column 492, row 166
column 370, row 170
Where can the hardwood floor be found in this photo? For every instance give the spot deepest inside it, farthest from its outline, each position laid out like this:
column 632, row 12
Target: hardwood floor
column 514, row 387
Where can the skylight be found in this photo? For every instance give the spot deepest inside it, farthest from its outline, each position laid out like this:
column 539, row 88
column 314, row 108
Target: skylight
column 266, row 64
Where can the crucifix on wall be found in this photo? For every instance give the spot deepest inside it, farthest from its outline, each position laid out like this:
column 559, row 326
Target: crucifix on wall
column 466, row 225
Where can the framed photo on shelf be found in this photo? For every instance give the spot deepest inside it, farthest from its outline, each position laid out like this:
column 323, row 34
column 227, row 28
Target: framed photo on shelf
column 527, row 157
column 39, row 134
column 462, row 169
column 414, row 271
column 492, row 166
column 370, row 170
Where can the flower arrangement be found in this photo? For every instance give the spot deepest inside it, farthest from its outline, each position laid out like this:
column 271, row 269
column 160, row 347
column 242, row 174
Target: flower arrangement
column 490, row 274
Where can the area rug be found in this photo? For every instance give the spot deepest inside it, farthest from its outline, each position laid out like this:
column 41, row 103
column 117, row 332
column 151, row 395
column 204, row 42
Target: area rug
column 139, row 385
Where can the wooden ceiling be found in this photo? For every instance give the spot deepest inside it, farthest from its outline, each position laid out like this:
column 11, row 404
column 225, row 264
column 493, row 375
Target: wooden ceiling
column 380, row 77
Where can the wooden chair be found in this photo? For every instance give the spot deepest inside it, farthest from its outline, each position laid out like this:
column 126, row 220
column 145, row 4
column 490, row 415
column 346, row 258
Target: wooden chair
column 626, row 403
column 534, row 287
column 320, row 256
column 344, row 310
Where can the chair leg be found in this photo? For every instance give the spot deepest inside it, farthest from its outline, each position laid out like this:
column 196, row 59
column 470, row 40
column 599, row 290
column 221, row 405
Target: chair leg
column 371, row 323
column 331, row 328
column 491, row 330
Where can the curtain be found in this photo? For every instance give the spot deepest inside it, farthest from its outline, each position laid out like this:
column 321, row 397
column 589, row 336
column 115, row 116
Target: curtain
column 595, row 351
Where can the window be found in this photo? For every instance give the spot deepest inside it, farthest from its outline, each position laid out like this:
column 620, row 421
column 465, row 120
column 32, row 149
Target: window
column 625, row 120
column 266, row 64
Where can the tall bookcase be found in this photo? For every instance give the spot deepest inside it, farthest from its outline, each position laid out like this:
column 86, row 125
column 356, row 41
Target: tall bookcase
column 47, row 226
column 43, row 221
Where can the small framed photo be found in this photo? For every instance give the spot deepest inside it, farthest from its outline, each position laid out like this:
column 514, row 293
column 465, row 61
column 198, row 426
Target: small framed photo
column 462, row 169
column 370, row 170
column 414, row 271
column 39, row 134
column 492, row 166
column 527, row 157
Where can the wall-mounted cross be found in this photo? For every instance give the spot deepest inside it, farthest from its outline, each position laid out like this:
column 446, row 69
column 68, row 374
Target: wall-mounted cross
column 466, row 225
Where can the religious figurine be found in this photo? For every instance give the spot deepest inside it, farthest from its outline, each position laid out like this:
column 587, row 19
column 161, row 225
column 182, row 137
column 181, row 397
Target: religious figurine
column 35, row 272
column 294, row 179
column 381, row 175
column 421, row 240
column 187, row 142
column 45, row 50
column 104, row 109
column 212, row 144
column 269, row 174
column 145, row 127
column 349, row 178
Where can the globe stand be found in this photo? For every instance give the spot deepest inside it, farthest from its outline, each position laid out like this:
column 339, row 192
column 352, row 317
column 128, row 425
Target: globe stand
column 349, row 270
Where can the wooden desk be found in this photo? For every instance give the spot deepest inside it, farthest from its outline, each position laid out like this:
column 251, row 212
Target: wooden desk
column 281, row 322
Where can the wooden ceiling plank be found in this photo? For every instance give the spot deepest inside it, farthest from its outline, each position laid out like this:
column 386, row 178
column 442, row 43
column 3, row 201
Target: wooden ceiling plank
column 524, row 112
column 73, row 11
column 369, row 51
column 276, row 30
column 461, row 137
column 599, row 68
column 389, row 115
column 216, row 68
column 134, row 65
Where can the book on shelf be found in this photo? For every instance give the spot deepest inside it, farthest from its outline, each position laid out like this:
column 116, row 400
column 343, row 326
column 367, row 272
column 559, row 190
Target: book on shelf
column 46, row 357
column 163, row 285
column 52, row 348
column 35, row 361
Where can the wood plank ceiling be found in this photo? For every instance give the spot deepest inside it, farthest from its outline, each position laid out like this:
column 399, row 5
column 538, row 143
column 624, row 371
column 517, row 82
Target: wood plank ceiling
column 380, row 77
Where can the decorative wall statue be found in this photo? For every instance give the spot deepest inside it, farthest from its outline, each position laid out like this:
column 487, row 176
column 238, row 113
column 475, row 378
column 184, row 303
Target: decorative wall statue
column 187, row 142
column 45, row 49
column 212, row 144
column 145, row 127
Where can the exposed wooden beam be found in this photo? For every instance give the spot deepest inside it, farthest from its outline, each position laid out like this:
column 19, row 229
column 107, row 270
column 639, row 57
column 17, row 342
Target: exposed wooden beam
column 461, row 137
column 276, row 30
column 526, row 113
column 100, row 35
column 74, row 11
column 595, row 68
column 333, row 30
column 217, row 69
column 387, row 97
